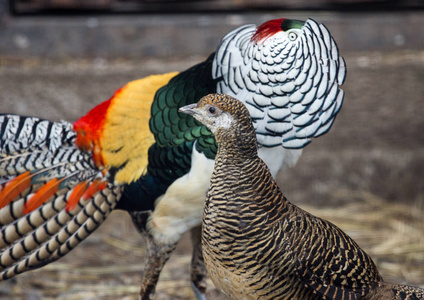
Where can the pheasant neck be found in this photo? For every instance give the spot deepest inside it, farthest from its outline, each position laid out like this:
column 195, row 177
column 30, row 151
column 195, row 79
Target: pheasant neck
column 244, row 173
column 237, row 143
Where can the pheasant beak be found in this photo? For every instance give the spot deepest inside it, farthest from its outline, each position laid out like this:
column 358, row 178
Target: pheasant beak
column 189, row 109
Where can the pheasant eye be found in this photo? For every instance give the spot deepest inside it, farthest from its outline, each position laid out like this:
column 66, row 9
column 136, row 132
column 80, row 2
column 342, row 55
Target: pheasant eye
column 292, row 36
column 212, row 109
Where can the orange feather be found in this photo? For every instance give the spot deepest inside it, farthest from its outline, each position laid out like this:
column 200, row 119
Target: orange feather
column 96, row 186
column 76, row 195
column 42, row 195
column 14, row 188
column 89, row 129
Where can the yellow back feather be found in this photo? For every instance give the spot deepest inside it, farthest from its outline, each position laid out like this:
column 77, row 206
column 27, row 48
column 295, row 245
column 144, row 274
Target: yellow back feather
column 126, row 137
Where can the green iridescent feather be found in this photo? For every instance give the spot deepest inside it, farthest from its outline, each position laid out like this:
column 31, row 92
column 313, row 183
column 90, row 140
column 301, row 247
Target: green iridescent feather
column 175, row 133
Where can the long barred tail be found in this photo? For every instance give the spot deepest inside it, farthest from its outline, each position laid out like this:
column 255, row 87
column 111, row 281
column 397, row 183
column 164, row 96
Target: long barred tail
column 24, row 134
column 52, row 196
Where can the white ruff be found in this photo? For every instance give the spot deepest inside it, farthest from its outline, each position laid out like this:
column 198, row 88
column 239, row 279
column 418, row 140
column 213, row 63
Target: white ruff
column 290, row 82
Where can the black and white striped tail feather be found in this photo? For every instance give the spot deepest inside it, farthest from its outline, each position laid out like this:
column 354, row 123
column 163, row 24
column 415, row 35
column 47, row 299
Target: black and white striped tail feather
column 26, row 149
column 30, row 143
column 21, row 133
column 46, row 150
column 50, row 232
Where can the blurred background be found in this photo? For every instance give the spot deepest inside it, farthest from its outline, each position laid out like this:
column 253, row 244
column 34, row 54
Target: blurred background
column 60, row 58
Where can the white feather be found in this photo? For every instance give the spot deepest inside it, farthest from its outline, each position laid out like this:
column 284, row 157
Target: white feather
column 277, row 128
column 261, row 100
column 266, row 90
column 238, row 78
column 293, row 73
column 279, row 113
column 302, row 120
column 309, row 130
column 288, row 87
column 322, row 89
column 310, row 95
column 282, row 77
column 296, row 96
column 296, row 143
column 255, row 112
column 263, row 78
column 281, row 101
column 298, row 108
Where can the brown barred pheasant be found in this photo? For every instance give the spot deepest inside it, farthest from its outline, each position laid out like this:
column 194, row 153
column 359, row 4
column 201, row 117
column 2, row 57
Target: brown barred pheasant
column 258, row 245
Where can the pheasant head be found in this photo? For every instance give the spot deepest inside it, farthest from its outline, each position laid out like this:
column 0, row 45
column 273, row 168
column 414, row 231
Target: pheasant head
column 228, row 119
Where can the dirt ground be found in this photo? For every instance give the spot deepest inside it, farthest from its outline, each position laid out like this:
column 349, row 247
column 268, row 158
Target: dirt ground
column 366, row 175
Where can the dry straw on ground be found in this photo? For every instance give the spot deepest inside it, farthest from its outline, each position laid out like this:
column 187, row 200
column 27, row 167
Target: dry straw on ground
column 392, row 233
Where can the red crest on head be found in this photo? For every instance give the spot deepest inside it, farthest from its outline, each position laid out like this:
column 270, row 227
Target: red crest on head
column 267, row 29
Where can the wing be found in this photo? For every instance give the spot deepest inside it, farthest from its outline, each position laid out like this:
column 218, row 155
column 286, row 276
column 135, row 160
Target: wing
column 54, row 196
column 333, row 265
column 290, row 81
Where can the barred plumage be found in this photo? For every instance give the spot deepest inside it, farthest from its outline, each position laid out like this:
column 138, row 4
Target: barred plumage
column 140, row 155
column 30, row 143
column 43, row 151
column 258, row 245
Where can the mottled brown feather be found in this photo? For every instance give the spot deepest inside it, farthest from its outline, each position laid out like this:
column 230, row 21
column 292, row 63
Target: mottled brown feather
column 258, row 245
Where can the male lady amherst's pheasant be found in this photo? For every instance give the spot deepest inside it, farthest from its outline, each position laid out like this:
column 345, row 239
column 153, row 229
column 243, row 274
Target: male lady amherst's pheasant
column 136, row 152
column 258, row 245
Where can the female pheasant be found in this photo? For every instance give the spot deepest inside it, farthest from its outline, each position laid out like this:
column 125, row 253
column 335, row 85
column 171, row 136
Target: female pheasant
column 258, row 245
column 136, row 152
